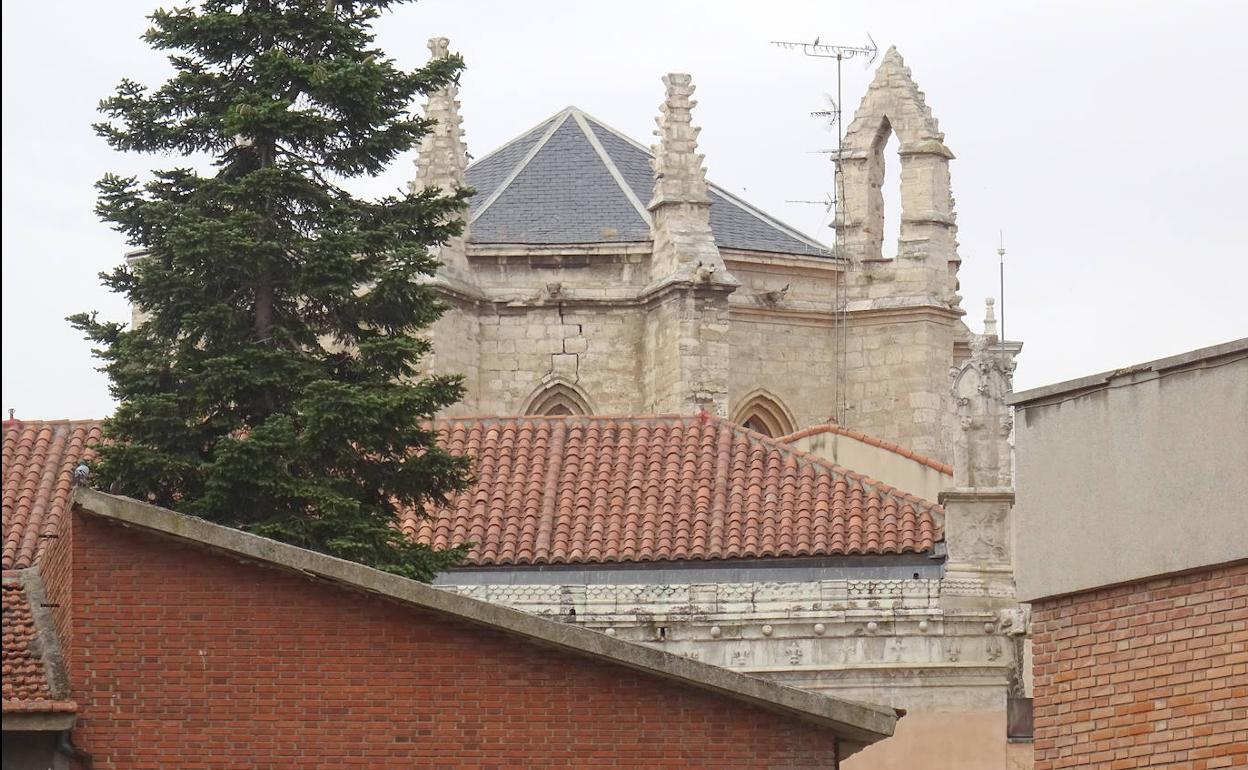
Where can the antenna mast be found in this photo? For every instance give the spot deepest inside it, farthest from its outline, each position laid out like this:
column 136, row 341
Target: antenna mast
column 841, row 299
column 1001, row 264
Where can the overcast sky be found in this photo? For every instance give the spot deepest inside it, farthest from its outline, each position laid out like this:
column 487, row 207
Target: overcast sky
column 1104, row 138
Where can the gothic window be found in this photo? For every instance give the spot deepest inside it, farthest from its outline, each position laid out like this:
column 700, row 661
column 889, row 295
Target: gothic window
column 558, row 399
column 764, row 414
column 884, row 206
column 890, row 160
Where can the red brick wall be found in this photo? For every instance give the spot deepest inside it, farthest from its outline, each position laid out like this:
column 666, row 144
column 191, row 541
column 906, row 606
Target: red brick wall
column 1153, row 674
column 189, row 659
column 55, row 567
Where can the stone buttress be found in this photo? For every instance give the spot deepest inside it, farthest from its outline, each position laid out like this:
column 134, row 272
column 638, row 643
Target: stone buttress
column 687, row 301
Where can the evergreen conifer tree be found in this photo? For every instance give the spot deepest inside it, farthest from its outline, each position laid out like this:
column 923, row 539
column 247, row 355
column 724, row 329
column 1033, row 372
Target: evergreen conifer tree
column 274, row 384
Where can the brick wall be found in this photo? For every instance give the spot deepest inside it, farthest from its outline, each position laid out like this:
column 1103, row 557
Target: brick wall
column 1153, row 674
column 186, row 658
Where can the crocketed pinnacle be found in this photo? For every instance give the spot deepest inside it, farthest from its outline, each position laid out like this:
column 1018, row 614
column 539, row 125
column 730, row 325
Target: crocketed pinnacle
column 679, row 176
column 443, row 157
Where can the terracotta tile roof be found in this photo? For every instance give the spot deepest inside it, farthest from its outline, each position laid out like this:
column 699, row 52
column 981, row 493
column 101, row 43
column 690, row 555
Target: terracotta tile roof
column 556, row 490
column 39, row 462
column 25, row 683
column 872, row 440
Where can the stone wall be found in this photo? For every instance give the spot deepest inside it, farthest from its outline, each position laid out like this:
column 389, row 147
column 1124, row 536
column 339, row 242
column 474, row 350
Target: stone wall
column 460, row 322
column 688, row 346
column 592, row 349
column 897, row 377
column 907, row 643
column 789, row 358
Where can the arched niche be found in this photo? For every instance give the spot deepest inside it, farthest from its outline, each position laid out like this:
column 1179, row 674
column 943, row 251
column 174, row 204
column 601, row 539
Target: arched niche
column 556, row 399
column 763, row 413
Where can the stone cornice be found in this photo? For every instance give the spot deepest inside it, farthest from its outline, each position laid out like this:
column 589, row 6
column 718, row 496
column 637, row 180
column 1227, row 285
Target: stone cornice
column 977, row 495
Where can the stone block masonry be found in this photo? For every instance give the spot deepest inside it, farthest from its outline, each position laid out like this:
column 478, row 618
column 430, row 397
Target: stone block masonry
column 1152, row 674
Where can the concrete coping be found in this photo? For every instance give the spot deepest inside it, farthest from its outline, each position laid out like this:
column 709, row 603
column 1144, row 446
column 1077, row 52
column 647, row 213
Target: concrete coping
column 1193, row 359
column 856, row 724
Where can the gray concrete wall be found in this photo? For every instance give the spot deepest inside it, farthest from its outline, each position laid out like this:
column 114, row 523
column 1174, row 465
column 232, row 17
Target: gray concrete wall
column 1133, row 473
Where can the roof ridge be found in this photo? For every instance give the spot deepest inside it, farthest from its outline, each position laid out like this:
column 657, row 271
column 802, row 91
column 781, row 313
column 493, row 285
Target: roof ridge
column 514, row 139
column 744, row 205
column 863, row 479
column 17, row 421
column 612, row 169
column 555, row 124
column 868, row 439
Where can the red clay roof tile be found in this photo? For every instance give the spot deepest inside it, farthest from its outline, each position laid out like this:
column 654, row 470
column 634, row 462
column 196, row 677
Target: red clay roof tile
column 25, row 682
column 39, row 462
column 814, row 430
column 589, row 490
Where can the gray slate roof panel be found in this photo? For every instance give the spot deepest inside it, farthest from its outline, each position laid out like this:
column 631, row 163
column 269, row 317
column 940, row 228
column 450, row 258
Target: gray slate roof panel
column 566, row 194
column 632, row 161
column 486, row 174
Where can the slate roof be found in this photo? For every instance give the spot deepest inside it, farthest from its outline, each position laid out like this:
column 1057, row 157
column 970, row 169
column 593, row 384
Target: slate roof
column 586, row 490
column 26, row 688
column 573, row 179
column 39, row 462
column 583, row 490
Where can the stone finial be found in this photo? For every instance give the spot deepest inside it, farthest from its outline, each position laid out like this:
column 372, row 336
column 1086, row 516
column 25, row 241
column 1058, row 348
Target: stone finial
column 990, row 318
column 679, row 176
column 684, row 247
column 442, row 157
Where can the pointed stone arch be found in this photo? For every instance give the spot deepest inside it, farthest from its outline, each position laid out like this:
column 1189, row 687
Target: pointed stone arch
column 762, row 412
column 557, row 397
column 894, row 106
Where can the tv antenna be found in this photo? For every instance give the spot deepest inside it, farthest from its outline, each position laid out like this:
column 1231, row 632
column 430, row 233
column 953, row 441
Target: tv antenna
column 833, row 117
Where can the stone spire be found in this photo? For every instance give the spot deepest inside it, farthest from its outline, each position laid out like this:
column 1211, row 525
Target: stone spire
column 443, row 157
column 684, row 247
column 990, row 318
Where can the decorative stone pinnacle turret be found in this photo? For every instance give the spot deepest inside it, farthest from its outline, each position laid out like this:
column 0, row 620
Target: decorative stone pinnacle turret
column 684, row 247
column 990, row 318
column 443, row 157
column 678, row 171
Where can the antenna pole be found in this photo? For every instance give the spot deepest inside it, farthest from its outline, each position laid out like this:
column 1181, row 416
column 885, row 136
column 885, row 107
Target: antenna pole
column 840, row 300
column 1001, row 266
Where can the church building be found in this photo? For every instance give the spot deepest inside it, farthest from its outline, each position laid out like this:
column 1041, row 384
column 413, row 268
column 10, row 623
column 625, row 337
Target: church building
column 699, row 429
column 692, row 427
